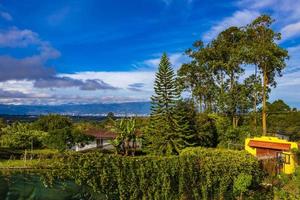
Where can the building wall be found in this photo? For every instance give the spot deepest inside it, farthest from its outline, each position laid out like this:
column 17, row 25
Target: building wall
column 91, row 145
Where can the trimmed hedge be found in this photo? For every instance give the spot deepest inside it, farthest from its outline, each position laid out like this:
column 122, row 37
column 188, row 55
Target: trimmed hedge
column 196, row 174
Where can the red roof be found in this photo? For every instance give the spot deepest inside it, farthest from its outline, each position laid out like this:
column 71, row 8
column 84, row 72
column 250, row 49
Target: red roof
column 101, row 134
column 269, row 145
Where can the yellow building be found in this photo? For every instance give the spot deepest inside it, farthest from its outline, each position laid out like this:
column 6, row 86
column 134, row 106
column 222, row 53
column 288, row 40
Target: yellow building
column 273, row 148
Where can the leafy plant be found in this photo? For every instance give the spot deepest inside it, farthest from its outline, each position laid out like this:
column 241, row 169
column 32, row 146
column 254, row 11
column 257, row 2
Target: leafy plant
column 21, row 136
column 127, row 138
column 198, row 173
column 241, row 184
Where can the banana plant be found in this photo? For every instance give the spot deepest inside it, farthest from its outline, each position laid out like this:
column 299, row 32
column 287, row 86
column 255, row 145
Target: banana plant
column 126, row 129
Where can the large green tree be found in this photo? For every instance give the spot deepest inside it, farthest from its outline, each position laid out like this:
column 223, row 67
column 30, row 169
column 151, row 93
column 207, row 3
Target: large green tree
column 167, row 134
column 197, row 77
column 264, row 52
column 22, row 136
column 227, row 59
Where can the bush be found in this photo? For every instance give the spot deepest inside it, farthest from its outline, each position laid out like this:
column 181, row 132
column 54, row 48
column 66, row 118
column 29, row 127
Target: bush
column 235, row 137
column 241, row 184
column 196, row 174
column 288, row 186
column 21, row 136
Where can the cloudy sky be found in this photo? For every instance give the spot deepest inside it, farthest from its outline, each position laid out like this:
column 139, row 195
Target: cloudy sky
column 91, row 51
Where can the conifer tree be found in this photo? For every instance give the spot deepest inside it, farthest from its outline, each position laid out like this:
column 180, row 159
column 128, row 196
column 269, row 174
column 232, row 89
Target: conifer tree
column 165, row 133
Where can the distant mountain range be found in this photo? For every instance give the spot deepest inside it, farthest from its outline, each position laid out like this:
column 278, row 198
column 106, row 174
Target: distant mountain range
column 119, row 109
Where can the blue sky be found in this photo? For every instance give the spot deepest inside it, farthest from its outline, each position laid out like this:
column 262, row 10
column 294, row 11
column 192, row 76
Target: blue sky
column 89, row 51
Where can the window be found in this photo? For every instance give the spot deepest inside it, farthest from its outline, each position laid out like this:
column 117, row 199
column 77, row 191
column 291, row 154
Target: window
column 287, row 159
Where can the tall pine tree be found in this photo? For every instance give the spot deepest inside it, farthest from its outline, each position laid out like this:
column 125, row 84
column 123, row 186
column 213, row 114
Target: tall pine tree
column 167, row 130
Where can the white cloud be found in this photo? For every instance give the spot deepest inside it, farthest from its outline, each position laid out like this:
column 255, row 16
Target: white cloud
column 176, row 59
column 290, row 30
column 132, row 85
column 239, row 18
column 294, row 61
column 14, row 37
column 118, row 79
column 255, row 4
column 6, row 16
column 286, row 14
column 24, row 92
column 287, row 89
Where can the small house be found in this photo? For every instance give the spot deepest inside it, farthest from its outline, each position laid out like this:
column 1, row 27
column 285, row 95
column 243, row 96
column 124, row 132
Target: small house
column 281, row 151
column 101, row 141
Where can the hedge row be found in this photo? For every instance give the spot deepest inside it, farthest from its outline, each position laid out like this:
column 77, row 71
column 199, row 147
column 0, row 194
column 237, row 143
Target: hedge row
column 196, row 174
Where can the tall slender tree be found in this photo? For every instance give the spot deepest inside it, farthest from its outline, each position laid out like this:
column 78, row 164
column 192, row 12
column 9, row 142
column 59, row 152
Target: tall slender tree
column 164, row 134
column 266, row 54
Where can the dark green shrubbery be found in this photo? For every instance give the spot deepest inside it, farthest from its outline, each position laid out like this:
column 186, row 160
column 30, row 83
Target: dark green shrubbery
column 196, row 174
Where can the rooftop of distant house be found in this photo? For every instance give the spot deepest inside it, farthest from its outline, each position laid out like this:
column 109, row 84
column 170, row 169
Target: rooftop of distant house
column 98, row 133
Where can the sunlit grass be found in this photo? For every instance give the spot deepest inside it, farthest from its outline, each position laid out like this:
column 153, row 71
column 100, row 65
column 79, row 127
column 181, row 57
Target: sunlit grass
column 19, row 163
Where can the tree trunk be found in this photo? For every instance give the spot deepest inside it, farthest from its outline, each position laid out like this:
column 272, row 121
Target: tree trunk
column 233, row 121
column 232, row 96
column 255, row 101
column 255, row 115
column 264, row 109
column 200, row 102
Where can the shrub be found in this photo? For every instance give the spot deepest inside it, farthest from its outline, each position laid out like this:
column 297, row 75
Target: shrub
column 196, row 174
column 288, row 186
column 241, row 184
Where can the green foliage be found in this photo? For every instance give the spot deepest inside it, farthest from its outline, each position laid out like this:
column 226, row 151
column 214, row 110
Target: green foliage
column 206, row 131
column 286, row 123
column 185, row 115
column 212, row 76
column 235, row 137
column 22, row 136
column 196, row 174
column 278, row 106
column 264, row 50
column 127, row 136
column 241, row 184
column 166, row 133
column 2, row 125
column 288, row 186
column 62, row 134
column 197, row 77
column 60, row 139
column 30, row 187
column 52, row 122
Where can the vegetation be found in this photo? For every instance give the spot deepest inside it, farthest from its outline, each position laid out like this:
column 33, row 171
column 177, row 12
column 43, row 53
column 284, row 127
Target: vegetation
column 51, row 131
column 196, row 174
column 127, row 136
column 183, row 141
column 212, row 75
column 22, row 136
column 168, row 130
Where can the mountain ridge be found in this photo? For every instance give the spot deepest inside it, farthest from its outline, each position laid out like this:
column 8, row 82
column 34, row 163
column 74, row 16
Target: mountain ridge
column 101, row 109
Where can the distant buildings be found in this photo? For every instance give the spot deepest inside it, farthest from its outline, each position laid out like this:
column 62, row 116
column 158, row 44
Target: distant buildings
column 102, row 140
